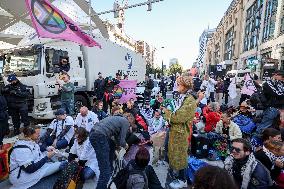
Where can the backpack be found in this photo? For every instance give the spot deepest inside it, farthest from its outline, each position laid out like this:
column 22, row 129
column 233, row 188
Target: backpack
column 258, row 100
column 128, row 178
column 245, row 123
column 69, row 176
column 9, row 157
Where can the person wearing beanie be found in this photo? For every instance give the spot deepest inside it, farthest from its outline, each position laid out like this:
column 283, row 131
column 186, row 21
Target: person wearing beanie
column 17, row 95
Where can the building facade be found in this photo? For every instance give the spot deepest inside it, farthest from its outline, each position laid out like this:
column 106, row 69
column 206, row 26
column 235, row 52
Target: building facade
column 249, row 36
column 203, row 39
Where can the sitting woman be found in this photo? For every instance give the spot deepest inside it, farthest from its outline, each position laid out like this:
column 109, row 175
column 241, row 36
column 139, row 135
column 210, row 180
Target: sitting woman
column 212, row 117
column 227, row 128
column 272, row 157
column 246, row 110
column 27, row 163
column 83, row 150
column 157, row 123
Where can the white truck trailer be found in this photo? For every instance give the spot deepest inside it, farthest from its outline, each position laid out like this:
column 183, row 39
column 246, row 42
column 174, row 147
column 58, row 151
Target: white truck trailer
column 35, row 62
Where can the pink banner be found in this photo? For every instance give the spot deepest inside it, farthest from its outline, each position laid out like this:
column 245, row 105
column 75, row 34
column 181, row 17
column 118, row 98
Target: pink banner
column 125, row 90
column 249, row 87
column 50, row 22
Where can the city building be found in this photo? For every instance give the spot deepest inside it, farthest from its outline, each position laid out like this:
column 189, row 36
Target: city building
column 250, row 35
column 203, row 39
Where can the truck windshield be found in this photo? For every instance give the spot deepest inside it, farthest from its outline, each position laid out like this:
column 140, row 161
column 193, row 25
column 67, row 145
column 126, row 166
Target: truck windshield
column 23, row 62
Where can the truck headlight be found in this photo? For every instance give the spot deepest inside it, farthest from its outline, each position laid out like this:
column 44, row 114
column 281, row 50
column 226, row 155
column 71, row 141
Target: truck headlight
column 41, row 106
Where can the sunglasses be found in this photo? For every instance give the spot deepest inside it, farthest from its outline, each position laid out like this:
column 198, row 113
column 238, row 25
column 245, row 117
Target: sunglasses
column 238, row 150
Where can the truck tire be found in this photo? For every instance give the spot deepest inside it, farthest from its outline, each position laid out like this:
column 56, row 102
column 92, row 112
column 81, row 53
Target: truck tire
column 79, row 102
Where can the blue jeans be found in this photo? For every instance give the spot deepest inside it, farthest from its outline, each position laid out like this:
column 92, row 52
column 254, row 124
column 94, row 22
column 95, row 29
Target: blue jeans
column 101, row 146
column 88, row 173
column 267, row 120
column 60, row 144
column 68, row 106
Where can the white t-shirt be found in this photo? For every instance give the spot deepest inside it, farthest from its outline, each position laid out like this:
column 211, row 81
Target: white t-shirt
column 88, row 121
column 24, row 157
column 86, row 151
column 59, row 125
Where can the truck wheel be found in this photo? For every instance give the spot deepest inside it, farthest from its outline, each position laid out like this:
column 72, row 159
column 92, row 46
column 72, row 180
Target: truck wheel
column 79, row 102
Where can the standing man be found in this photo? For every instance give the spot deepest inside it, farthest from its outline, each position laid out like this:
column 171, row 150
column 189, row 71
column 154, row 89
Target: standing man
column 244, row 168
column 99, row 86
column 108, row 94
column 149, row 85
column 4, row 116
column 67, row 94
column 17, row 95
column 163, row 88
column 209, row 85
column 101, row 139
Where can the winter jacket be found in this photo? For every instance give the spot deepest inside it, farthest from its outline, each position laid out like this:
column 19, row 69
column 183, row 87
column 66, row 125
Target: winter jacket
column 113, row 126
column 3, row 109
column 99, row 87
column 234, row 130
column 264, row 159
column 274, row 93
column 15, row 94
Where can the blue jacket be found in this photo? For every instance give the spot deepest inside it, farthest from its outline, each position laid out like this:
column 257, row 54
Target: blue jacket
column 260, row 178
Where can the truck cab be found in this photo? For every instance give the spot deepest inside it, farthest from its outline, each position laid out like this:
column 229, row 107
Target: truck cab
column 37, row 65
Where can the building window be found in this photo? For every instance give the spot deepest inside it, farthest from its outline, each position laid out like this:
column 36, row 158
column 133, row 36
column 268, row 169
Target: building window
column 229, row 44
column 282, row 23
column 252, row 26
column 269, row 19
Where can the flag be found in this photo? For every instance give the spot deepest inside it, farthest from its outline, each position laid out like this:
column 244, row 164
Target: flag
column 249, row 87
column 50, row 22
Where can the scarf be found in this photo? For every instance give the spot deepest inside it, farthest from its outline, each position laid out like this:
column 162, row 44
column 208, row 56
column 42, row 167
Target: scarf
column 271, row 156
column 276, row 86
column 246, row 169
column 179, row 102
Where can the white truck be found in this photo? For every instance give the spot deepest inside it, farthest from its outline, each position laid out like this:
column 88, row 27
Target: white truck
column 35, row 62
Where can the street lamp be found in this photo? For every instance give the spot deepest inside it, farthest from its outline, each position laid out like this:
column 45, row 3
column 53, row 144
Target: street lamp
column 162, row 64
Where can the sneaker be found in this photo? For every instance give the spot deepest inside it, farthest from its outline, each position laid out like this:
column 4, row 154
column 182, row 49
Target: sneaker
column 177, row 184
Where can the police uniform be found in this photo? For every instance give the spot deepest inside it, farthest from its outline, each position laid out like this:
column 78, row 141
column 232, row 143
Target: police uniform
column 17, row 95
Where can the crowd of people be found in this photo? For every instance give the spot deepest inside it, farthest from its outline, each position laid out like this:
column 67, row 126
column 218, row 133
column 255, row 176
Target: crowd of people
column 199, row 123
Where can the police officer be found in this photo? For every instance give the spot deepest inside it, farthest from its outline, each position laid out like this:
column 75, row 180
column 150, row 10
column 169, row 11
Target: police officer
column 16, row 95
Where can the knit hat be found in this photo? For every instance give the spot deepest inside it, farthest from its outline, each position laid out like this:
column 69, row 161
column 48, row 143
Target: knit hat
column 186, row 80
column 11, row 78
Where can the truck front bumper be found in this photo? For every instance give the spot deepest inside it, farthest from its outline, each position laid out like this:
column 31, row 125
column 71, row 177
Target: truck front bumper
column 42, row 109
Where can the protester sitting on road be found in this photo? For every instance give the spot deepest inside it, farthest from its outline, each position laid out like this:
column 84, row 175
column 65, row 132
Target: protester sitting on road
column 27, row 163
column 243, row 166
column 268, row 134
column 157, row 123
column 147, row 112
column 101, row 139
column 141, row 164
column 213, row 117
column 227, row 128
column 98, row 109
column 273, row 91
column 60, row 131
column 130, row 108
column 83, row 150
column 246, row 110
column 272, row 157
column 116, row 110
column 156, row 103
column 86, row 119
column 212, row 177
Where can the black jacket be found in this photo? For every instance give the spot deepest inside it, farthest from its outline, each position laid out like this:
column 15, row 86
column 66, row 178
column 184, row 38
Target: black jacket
column 273, row 99
column 99, row 88
column 15, row 94
column 110, row 83
column 264, row 159
column 3, row 109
